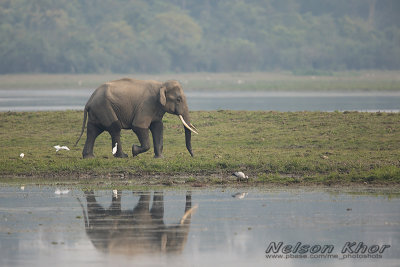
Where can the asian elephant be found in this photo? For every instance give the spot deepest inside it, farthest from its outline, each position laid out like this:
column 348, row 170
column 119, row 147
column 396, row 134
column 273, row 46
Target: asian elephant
column 137, row 105
column 136, row 231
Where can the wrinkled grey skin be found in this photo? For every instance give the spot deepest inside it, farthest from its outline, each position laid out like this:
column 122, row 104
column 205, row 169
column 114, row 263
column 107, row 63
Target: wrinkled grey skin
column 137, row 231
column 137, row 105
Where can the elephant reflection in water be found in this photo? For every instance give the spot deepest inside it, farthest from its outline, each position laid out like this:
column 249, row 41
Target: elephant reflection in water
column 138, row 231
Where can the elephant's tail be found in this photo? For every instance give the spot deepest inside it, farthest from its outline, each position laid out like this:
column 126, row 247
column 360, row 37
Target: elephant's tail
column 83, row 125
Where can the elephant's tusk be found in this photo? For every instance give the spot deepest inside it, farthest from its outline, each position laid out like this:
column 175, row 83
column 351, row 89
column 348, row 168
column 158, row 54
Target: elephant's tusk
column 191, row 125
column 187, row 213
column 186, row 125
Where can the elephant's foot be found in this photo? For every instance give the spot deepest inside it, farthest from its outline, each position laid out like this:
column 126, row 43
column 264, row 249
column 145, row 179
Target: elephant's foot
column 88, row 156
column 121, row 155
column 160, row 156
column 136, row 150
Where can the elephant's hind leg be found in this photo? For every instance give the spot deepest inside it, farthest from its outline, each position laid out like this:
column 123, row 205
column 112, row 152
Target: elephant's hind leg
column 92, row 132
column 115, row 131
column 143, row 136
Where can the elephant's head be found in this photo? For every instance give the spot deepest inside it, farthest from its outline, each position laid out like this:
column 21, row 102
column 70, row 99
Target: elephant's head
column 173, row 101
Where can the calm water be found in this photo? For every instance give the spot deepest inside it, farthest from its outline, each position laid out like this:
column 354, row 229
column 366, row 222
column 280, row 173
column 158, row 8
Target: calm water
column 100, row 228
column 34, row 100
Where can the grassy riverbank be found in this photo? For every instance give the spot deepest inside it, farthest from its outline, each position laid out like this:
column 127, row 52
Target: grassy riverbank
column 272, row 147
column 257, row 81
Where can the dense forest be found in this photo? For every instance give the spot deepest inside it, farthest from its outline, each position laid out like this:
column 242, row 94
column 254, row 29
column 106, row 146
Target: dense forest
column 148, row 36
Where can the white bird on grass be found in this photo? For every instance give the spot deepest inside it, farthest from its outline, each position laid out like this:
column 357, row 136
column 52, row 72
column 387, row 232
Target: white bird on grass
column 58, row 148
column 22, row 155
column 114, row 150
column 240, row 176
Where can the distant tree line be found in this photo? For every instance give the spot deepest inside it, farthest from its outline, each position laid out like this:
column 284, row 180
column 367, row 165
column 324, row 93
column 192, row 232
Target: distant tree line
column 148, row 36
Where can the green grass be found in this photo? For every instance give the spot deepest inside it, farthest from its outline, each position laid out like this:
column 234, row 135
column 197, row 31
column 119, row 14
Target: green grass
column 272, row 147
column 299, row 80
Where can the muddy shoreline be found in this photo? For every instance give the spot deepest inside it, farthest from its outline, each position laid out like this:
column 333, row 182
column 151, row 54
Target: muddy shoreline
column 204, row 180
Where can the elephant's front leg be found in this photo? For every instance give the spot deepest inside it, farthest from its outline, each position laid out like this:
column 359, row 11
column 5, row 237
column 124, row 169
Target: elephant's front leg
column 156, row 129
column 143, row 136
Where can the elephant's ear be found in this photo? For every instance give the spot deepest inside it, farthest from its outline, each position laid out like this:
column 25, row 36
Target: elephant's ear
column 163, row 97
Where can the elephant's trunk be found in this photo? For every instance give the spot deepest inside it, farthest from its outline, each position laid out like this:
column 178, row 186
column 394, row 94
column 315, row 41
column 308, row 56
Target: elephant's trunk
column 189, row 128
column 188, row 139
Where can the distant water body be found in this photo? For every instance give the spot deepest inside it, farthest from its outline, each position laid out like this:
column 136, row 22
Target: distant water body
column 75, row 99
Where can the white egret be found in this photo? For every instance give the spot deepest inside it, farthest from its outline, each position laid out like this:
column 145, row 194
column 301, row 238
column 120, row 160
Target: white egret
column 240, row 176
column 114, row 150
column 240, row 195
column 22, row 155
column 61, row 192
column 58, row 148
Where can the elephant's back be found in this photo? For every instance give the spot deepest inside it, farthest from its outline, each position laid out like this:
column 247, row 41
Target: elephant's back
column 122, row 99
column 133, row 84
column 128, row 91
column 126, row 86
